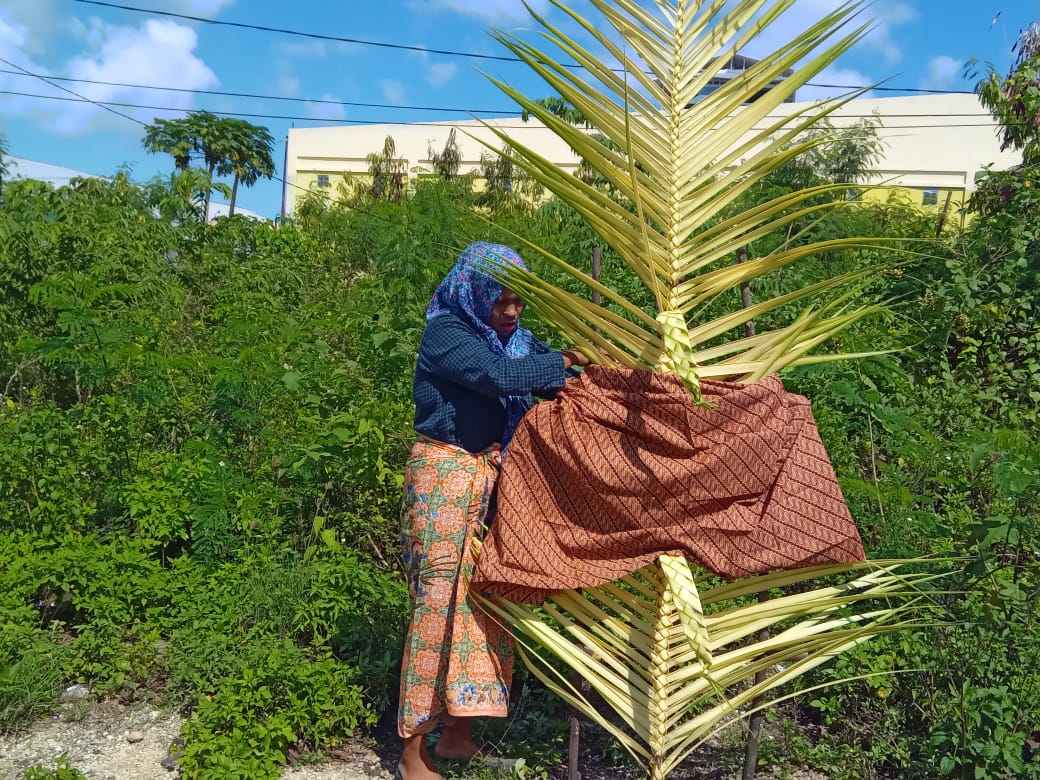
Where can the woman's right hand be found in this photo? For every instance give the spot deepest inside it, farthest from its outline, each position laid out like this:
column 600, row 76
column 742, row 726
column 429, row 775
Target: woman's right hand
column 572, row 357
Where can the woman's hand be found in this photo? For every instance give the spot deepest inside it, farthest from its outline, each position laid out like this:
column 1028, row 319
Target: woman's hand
column 572, row 357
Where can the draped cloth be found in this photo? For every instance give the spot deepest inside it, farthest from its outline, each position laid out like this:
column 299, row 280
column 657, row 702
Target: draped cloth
column 622, row 467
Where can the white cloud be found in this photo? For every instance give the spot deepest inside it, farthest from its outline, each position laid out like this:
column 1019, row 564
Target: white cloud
column 437, row 73
column 326, row 110
column 887, row 15
column 41, row 20
column 495, row 11
column 14, row 42
column 393, row 91
column 440, row 73
column 157, row 52
column 36, row 19
column 942, row 72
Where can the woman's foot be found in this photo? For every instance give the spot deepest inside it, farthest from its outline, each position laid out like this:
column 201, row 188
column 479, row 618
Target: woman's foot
column 456, row 742
column 416, row 763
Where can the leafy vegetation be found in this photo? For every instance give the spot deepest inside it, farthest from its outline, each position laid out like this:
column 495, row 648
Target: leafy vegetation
column 226, row 147
column 203, row 427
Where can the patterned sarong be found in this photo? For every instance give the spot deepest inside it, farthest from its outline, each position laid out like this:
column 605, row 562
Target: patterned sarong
column 457, row 661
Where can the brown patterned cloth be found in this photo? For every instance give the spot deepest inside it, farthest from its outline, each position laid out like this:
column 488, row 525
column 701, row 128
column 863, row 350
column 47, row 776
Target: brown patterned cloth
column 622, row 467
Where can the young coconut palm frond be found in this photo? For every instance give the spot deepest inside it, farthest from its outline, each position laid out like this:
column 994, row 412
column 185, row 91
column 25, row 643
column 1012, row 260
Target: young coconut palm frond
column 678, row 160
column 630, row 642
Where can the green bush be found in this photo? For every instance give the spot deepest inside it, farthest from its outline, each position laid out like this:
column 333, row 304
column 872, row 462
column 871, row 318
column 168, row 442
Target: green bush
column 61, row 771
column 203, row 429
column 279, row 699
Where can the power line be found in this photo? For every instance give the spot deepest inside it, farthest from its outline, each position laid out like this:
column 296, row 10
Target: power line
column 257, row 96
column 441, row 109
column 316, row 36
column 336, row 120
column 71, row 92
column 99, row 104
column 429, row 50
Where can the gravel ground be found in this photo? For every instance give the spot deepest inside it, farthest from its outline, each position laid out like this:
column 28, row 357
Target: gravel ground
column 110, row 741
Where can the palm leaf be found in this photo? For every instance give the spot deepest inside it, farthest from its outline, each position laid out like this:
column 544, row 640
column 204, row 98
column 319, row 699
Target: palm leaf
column 676, row 662
column 631, row 641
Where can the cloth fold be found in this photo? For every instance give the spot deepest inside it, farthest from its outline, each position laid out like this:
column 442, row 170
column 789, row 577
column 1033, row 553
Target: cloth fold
column 622, row 467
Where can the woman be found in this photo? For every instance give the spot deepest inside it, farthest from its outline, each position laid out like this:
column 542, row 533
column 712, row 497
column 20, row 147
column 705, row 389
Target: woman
column 475, row 376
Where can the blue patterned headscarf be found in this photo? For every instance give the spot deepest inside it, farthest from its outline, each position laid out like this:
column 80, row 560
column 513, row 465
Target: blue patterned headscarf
column 469, row 293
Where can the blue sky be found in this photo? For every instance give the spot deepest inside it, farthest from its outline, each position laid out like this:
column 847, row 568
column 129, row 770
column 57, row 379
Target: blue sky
column 918, row 43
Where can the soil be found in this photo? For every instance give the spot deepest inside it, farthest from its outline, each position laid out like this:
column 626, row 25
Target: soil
column 114, row 741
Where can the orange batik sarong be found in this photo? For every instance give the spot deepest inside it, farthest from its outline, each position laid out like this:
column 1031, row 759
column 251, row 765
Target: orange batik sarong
column 457, row 661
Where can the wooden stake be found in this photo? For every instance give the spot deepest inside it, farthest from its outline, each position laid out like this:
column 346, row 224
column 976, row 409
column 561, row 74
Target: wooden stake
column 574, row 746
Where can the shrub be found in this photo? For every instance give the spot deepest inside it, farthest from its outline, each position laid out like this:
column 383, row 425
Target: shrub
column 278, row 701
column 61, row 771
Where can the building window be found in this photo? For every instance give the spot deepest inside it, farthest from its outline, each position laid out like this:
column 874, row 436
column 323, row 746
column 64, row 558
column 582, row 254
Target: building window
column 323, row 180
column 930, row 198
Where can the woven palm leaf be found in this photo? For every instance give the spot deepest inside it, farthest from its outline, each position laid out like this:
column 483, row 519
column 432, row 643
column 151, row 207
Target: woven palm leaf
column 671, row 692
column 670, row 660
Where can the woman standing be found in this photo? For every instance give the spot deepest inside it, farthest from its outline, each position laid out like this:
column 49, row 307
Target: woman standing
column 476, row 373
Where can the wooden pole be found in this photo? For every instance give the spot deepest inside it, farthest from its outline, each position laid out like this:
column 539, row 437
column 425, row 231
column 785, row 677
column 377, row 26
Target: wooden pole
column 745, row 293
column 942, row 216
column 597, row 270
column 574, row 745
column 755, row 723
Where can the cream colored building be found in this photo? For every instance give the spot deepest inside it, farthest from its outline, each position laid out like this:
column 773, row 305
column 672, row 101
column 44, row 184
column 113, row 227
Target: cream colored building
column 933, row 145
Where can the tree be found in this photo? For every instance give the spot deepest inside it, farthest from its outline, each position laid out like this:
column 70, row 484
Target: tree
column 1015, row 100
column 174, row 137
column 448, row 161
column 213, row 138
column 844, row 156
column 249, row 156
column 388, row 172
column 183, row 198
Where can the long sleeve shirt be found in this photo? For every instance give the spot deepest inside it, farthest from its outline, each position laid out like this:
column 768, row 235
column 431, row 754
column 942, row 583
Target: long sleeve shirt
column 461, row 383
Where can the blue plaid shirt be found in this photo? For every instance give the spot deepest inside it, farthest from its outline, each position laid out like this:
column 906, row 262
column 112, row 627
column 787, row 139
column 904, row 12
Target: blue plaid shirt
column 460, row 383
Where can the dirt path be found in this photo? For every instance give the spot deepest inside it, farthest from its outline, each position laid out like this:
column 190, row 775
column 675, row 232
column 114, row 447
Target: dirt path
column 110, row 741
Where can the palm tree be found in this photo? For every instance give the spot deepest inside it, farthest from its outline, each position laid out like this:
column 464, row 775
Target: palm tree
column 213, row 138
column 174, row 137
column 249, row 156
column 665, row 655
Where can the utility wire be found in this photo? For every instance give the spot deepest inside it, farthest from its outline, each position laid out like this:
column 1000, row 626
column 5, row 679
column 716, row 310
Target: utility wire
column 257, row 96
column 441, row 109
column 100, row 104
column 65, row 89
column 428, row 50
column 336, row 120
column 316, row 36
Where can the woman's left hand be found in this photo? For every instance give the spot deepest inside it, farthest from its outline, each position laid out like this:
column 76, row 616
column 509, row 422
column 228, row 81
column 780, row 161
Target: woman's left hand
column 572, row 357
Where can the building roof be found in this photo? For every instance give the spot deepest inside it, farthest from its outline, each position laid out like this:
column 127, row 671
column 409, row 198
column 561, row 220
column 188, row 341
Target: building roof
column 60, row 176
